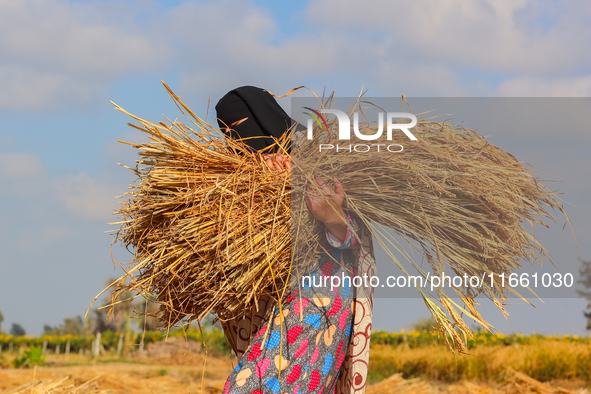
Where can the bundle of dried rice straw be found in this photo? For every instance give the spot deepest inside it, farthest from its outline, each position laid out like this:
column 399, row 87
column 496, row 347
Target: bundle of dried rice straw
column 211, row 226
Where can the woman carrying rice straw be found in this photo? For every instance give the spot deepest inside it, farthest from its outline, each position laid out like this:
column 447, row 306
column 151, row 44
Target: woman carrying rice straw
column 318, row 341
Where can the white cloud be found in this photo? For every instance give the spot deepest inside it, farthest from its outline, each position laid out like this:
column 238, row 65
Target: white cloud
column 23, row 176
column 20, row 165
column 452, row 48
column 525, row 86
column 500, row 36
column 42, row 236
column 229, row 45
column 88, row 198
column 56, row 53
column 221, row 45
column 59, row 53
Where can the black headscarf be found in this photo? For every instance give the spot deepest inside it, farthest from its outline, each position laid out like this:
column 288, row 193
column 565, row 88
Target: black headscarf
column 265, row 117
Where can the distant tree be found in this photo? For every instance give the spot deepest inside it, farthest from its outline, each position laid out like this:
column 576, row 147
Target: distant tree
column 17, row 330
column 118, row 312
column 100, row 323
column 71, row 325
column 210, row 323
column 1, row 320
column 425, row 323
column 585, row 280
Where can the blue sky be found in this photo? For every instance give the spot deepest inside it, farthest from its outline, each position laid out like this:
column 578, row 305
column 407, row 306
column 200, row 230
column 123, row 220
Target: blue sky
column 62, row 61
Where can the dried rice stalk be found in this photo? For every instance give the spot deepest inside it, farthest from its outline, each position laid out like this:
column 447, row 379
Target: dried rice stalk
column 59, row 387
column 457, row 199
column 515, row 383
column 210, row 225
column 396, row 384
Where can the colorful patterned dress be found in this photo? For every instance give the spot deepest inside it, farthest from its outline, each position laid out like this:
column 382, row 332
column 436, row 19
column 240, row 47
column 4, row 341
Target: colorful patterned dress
column 325, row 343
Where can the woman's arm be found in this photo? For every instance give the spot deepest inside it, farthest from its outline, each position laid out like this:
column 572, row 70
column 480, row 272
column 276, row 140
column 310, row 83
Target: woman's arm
column 353, row 230
column 326, row 205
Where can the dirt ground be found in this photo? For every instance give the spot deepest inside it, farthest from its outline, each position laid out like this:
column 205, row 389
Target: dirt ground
column 194, row 373
column 179, row 374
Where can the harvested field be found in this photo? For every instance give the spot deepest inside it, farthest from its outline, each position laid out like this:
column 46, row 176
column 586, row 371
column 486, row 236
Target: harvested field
column 185, row 374
column 180, row 375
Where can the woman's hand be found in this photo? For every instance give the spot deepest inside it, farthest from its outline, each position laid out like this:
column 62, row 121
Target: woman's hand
column 326, row 205
column 277, row 161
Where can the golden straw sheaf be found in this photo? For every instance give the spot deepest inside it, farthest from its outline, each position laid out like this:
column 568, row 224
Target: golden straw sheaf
column 211, row 226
